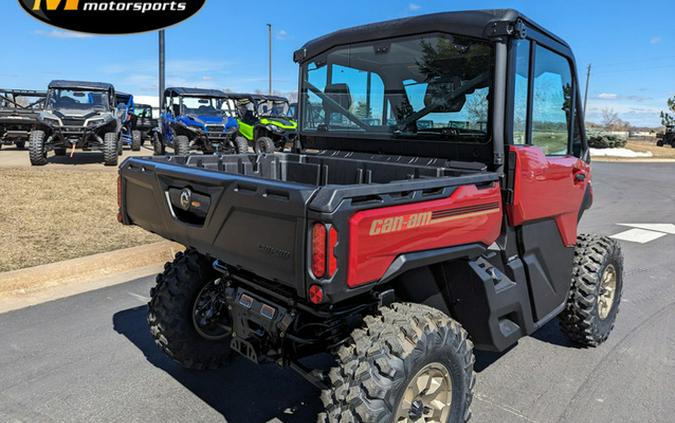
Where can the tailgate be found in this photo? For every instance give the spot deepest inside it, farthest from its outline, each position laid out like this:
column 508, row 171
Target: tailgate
column 255, row 224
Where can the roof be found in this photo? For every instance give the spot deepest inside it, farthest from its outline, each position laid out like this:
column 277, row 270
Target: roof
column 194, row 92
column 97, row 86
column 32, row 93
column 122, row 94
column 256, row 97
column 474, row 23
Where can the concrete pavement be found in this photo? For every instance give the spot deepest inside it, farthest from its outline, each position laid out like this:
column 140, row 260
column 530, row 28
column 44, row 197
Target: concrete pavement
column 90, row 357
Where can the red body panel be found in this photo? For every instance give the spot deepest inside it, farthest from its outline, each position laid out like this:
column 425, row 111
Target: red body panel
column 547, row 187
column 378, row 236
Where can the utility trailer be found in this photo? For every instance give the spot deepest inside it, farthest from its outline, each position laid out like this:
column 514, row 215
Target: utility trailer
column 18, row 115
column 431, row 208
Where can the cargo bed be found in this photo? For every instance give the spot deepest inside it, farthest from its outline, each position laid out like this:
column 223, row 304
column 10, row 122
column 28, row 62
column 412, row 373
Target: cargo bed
column 252, row 211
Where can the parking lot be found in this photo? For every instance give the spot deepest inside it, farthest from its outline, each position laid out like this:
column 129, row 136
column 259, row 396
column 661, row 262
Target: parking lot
column 13, row 158
column 90, row 357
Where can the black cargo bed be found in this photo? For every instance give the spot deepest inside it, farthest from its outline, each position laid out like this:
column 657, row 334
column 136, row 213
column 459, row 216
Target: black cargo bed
column 254, row 209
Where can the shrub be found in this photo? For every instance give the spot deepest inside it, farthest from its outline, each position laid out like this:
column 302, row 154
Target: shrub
column 606, row 141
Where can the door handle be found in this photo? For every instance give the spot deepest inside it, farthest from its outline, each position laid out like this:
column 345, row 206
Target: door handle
column 579, row 177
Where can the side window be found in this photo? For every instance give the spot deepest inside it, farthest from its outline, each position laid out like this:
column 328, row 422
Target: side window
column 520, row 91
column 551, row 102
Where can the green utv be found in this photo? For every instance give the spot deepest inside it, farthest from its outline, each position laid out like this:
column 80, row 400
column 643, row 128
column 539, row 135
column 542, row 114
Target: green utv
column 265, row 120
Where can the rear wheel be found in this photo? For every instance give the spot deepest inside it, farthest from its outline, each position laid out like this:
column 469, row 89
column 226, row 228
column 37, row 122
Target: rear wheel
column 595, row 294
column 241, row 145
column 20, row 145
column 136, row 141
column 110, row 149
column 264, row 145
column 37, row 150
column 157, row 144
column 181, row 146
column 408, row 363
column 185, row 313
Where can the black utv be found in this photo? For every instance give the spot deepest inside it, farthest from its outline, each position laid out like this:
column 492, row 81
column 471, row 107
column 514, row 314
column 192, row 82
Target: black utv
column 18, row 114
column 145, row 122
column 77, row 115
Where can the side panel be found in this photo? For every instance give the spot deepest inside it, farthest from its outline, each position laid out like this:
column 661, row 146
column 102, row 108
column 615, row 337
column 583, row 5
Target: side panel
column 548, row 187
column 378, row 236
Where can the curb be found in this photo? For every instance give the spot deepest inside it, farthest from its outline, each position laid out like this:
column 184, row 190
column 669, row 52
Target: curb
column 28, row 281
column 628, row 160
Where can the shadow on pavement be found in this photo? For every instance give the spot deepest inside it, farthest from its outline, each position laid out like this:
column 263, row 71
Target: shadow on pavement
column 552, row 334
column 241, row 392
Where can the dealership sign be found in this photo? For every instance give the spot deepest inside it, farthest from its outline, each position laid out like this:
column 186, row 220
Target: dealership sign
column 112, row 17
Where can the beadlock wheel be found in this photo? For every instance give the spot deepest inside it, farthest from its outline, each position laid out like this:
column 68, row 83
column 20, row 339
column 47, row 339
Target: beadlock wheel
column 428, row 396
column 607, row 291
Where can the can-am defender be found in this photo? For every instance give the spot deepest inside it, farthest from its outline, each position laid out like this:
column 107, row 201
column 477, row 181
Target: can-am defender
column 405, row 233
column 130, row 135
column 77, row 115
column 198, row 119
column 18, row 115
column 266, row 121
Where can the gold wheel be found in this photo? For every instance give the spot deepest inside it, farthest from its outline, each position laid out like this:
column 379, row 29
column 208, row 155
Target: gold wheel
column 428, row 396
column 607, row 292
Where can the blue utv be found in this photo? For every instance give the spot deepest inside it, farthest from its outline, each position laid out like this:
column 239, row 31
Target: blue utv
column 129, row 136
column 197, row 119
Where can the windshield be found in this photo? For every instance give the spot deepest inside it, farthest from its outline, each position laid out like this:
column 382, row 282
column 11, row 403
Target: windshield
column 143, row 111
column 78, row 99
column 203, row 106
column 426, row 86
column 273, row 108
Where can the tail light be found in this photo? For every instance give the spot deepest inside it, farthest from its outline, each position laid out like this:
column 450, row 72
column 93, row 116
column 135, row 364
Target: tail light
column 318, row 250
column 324, row 262
column 332, row 260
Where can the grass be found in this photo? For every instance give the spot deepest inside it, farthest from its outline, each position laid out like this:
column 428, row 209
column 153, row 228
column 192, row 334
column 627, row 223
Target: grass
column 54, row 214
column 666, row 152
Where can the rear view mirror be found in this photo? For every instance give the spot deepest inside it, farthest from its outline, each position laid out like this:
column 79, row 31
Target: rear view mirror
column 204, row 101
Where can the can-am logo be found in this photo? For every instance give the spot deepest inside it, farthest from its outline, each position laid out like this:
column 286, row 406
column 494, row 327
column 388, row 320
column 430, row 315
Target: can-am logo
column 112, row 16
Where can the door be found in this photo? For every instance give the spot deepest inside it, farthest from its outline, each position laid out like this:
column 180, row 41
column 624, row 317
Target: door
column 547, row 175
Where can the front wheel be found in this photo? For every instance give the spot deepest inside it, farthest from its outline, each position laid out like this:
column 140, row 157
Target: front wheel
column 595, row 294
column 241, row 145
column 136, row 141
column 181, row 146
column 157, row 144
column 110, row 149
column 264, row 145
column 409, row 363
column 186, row 317
column 37, row 150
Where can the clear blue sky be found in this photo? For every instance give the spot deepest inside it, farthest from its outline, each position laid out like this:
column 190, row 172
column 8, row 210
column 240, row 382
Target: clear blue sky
column 630, row 44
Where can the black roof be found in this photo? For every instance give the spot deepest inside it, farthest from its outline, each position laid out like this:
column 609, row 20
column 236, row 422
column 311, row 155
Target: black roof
column 194, row 92
column 85, row 85
column 256, row 97
column 122, row 94
column 474, row 23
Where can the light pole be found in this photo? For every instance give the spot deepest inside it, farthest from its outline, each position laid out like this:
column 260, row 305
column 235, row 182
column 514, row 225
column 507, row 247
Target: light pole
column 269, row 36
column 162, row 70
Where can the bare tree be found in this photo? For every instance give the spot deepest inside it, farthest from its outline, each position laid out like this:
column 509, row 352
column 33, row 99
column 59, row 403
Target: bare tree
column 476, row 107
column 610, row 118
